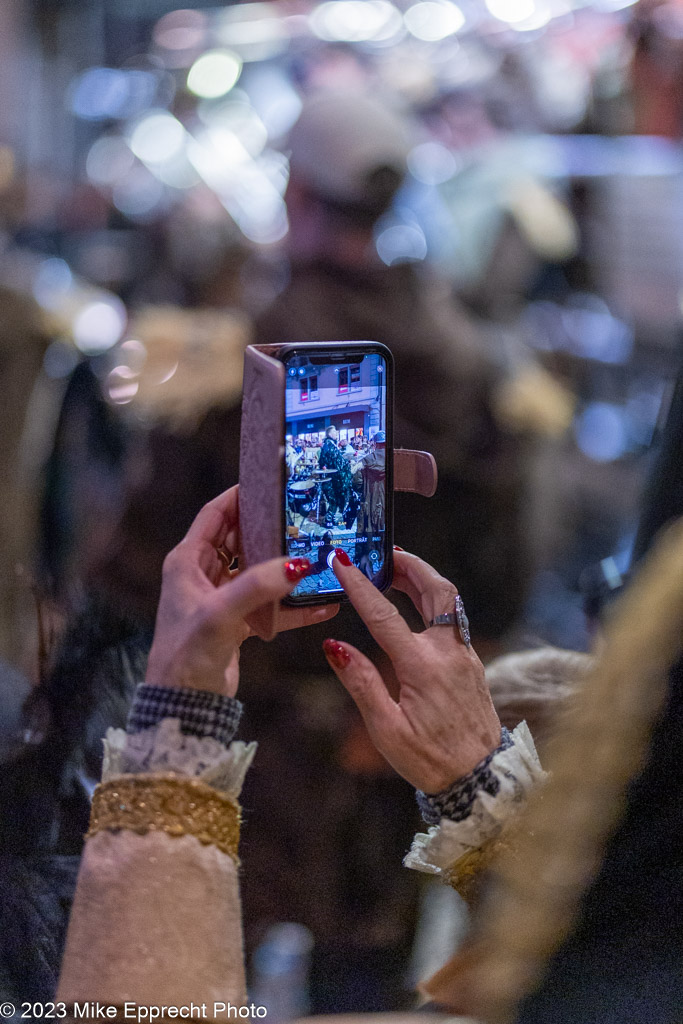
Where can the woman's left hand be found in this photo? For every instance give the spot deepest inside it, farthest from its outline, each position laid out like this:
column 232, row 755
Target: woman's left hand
column 444, row 722
column 204, row 608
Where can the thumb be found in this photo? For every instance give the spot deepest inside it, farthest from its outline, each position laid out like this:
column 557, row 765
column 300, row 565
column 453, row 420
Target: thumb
column 260, row 585
column 365, row 686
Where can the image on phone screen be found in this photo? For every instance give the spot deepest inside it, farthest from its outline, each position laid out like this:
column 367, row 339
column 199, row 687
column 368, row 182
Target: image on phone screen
column 335, row 465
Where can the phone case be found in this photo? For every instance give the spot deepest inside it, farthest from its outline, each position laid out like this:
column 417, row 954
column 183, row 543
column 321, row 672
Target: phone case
column 262, row 463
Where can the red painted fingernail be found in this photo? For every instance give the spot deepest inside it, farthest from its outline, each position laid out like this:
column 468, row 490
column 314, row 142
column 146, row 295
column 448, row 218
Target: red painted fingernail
column 342, row 556
column 397, row 548
column 337, row 655
column 297, row 568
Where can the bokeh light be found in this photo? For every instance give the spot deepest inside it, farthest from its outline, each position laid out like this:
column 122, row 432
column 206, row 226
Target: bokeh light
column 432, row 21
column 511, row 11
column 401, row 243
column 157, row 137
column 104, row 93
column 432, row 163
column 99, row 325
column 109, row 159
column 52, row 282
column 214, row 74
column 181, row 30
column 602, row 431
column 356, row 20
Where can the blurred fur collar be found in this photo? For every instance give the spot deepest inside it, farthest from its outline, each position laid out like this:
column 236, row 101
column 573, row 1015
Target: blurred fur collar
column 177, row 364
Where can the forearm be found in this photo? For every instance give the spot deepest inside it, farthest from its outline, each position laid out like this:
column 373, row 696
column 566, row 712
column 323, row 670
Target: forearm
column 156, row 917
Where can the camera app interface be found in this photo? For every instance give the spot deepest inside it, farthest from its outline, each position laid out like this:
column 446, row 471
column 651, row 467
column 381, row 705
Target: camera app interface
column 335, row 470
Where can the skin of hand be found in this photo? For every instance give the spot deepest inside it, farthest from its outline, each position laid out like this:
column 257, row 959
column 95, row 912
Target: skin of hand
column 204, row 608
column 443, row 723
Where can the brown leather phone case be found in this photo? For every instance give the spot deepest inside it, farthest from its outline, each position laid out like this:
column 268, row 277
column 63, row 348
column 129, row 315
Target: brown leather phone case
column 262, row 466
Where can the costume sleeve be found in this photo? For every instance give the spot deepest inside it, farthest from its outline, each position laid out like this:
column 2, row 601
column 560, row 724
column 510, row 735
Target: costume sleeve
column 156, row 918
column 475, row 814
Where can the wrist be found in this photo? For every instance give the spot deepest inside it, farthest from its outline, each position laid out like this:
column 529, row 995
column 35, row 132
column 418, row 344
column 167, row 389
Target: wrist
column 455, row 801
column 197, row 673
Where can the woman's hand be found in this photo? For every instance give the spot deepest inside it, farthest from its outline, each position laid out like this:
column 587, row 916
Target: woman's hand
column 204, row 606
column 444, row 722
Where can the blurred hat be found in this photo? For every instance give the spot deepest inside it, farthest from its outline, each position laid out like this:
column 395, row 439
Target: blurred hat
column 380, row 437
column 350, row 149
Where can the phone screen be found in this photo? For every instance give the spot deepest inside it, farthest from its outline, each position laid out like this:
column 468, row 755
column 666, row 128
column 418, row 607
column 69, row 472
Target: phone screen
column 337, row 443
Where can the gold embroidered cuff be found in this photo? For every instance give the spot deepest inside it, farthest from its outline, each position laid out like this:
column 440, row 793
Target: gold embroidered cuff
column 464, row 876
column 174, row 804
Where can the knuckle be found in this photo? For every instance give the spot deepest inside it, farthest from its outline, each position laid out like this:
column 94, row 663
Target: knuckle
column 384, row 614
column 447, row 590
column 170, row 562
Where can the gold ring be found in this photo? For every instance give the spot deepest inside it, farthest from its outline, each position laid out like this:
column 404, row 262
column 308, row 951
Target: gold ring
column 226, row 557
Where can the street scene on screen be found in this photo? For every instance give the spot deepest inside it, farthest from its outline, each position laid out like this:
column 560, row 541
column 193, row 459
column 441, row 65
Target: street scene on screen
column 335, row 466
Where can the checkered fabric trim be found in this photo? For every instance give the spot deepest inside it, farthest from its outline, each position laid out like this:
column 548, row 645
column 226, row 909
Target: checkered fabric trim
column 200, row 713
column 456, row 802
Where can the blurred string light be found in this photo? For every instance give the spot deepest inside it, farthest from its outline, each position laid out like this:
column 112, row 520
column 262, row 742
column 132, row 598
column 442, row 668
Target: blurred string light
column 135, row 354
column 241, row 119
column 140, row 195
column 249, row 189
column 102, row 93
column 99, row 324
column 356, row 21
column 214, row 73
column 157, row 137
column 432, row 163
column 274, row 99
column 121, row 385
column 176, row 172
column 602, row 431
column 109, row 159
column 400, row 243
column 254, row 30
column 52, row 283
column 432, row 20
column 511, row 11
column 611, row 6
column 181, row 30
column 160, row 141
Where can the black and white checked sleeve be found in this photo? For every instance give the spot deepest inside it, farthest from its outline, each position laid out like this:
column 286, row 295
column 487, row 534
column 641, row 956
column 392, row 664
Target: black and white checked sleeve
column 200, row 713
column 456, row 802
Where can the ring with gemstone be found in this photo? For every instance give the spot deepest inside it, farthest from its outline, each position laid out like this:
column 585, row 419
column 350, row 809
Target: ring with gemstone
column 457, row 617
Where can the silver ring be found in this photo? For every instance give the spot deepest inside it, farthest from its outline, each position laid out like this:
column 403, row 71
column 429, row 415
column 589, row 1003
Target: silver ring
column 457, row 617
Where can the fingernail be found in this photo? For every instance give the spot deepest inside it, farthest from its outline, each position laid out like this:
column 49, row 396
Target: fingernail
column 337, row 655
column 342, row 556
column 397, row 548
column 297, row 568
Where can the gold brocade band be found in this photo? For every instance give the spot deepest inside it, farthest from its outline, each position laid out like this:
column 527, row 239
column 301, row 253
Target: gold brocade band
column 174, row 804
column 464, row 876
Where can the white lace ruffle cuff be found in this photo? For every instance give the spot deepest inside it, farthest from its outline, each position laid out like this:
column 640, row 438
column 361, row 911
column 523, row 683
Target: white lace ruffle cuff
column 164, row 748
column 518, row 770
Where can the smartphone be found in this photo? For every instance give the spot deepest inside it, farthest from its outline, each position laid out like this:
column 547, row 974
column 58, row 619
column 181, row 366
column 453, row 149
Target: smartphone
column 338, row 473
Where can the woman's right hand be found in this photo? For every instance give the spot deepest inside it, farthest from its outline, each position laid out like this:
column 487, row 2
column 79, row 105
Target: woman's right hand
column 204, row 608
column 444, row 722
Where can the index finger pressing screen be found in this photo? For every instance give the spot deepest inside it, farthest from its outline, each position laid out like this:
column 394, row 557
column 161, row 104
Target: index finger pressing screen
column 382, row 618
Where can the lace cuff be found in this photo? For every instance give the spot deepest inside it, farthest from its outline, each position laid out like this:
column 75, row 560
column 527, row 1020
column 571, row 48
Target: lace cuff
column 457, row 801
column 164, row 748
column 517, row 770
column 200, row 713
